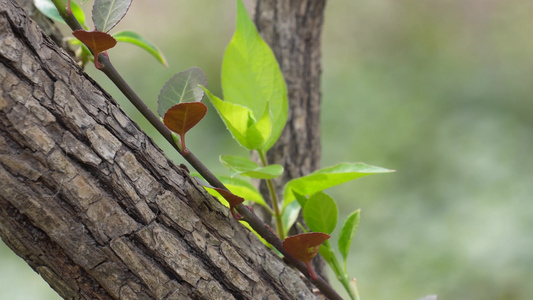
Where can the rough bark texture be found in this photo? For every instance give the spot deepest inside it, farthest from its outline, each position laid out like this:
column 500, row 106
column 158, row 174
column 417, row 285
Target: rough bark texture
column 293, row 29
column 94, row 206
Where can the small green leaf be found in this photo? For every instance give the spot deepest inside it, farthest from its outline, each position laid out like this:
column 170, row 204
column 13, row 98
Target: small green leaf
column 326, row 252
column 321, row 213
column 246, row 167
column 347, row 233
column 304, row 247
column 289, row 216
column 107, row 13
column 137, row 40
column 328, row 177
column 181, row 117
column 48, row 9
column 182, row 87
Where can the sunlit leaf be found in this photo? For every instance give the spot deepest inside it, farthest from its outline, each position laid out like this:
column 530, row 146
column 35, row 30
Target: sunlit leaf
column 182, row 87
column 304, row 247
column 235, row 117
column 181, row 117
column 328, row 177
column 251, row 80
column 97, row 41
column 246, row 167
column 107, row 13
column 48, row 9
column 135, row 39
column 347, row 233
column 320, row 213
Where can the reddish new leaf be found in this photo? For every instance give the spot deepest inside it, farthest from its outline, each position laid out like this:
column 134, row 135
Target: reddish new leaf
column 181, row 117
column 232, row 199
column 304, row 247
column 97, row 41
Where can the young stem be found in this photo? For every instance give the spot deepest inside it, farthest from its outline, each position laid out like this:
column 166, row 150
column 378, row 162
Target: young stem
column 341, row 274
column 274, row 198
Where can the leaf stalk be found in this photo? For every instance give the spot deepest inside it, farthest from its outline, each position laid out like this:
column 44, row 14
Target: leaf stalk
column 274, row 198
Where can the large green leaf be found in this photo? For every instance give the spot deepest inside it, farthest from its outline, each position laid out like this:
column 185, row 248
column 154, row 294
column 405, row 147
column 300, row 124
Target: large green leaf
column 182, row 87
column 48, row 9
column 107, row 13
column 328, row 177
column 320, row 213
column 236, row 117
column 246, row 167
column 347, row 233
column 251, row 78
column 135, row 39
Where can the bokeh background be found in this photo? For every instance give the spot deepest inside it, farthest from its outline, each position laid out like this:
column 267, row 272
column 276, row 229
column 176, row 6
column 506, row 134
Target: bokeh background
column 439, row 90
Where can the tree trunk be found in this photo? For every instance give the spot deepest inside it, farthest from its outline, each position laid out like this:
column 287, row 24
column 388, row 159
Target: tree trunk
column 293, row 29
column 94, row 206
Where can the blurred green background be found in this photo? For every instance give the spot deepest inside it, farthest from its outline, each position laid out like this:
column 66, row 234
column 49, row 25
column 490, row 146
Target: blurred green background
column 439, row 90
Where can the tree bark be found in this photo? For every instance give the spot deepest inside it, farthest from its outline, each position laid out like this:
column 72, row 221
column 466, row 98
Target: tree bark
column 293, row 30
column 91, row 204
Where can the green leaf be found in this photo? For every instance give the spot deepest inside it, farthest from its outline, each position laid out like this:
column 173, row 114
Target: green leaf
column 289, row 216
column 347, row 233
column 244, row 189
column 328, row 177
column 135, row 39
column 236, row 118
column 48, row 9
column 302, row 200
column 107, row 13
column 244, row 166
column 321, row 213
column 182, row 87
column 326, row 252
column 251, row 78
